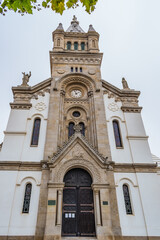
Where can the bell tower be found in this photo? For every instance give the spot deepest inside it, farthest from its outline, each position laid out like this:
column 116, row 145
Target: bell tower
column 76, row 86
column 76, row 138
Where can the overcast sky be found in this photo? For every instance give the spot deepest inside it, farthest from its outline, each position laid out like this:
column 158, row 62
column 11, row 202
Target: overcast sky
column 129, row 38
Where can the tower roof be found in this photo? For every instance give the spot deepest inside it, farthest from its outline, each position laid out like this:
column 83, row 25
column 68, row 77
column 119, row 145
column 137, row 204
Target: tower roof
column 74, row 27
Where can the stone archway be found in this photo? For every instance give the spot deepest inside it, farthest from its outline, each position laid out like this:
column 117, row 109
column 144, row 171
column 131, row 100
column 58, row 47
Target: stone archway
column 78, row 206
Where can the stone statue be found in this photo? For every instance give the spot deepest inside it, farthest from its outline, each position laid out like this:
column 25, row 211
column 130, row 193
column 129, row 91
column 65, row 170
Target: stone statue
column 124, row 83
column 74, row 18
column 25, row 79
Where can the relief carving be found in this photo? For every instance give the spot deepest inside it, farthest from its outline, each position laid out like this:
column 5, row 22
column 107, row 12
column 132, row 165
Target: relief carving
column 62, row 168
column 40, row 106
column 78, row 152
column 113, row 107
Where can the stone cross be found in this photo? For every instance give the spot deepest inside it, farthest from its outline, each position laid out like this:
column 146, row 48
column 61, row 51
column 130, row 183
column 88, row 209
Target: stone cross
column 77, row 128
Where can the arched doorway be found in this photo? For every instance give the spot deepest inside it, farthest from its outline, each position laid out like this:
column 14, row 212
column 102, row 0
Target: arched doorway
column 78, row 207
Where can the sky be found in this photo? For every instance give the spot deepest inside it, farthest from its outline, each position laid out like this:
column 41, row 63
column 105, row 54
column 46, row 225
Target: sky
column 129, row 38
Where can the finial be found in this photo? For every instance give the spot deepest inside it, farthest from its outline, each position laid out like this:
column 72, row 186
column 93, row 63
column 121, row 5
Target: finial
column 124, row 84
column 60, row 27
column 74, row 21
column 25, row 79
column 91, row 28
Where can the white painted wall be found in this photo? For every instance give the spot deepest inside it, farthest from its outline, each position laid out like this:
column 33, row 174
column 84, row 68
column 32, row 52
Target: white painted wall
column 135, row 143
column 145, row 194
column 7, row 189
column 149, row 186
column 17, row 140
column 131, row 225
column 12, row 220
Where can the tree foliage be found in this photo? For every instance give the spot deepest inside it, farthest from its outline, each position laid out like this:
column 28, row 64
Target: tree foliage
column 58, row 6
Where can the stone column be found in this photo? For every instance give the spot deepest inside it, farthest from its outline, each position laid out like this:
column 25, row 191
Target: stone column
column 92, row 120
column 54, row 211
column 98, row 213
column 60, row 127
column 59, row 209
column 103, row 212
column 42, row 207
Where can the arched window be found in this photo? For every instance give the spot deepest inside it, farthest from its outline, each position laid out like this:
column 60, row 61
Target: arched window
column 80, row 69
column 68, row 45
column 27, row 198
column 117, row 134
column 35, row 134
column 76, row 69
column 71, row 69
column 58, row 42
column 127, row 199
column 93, row 43
column 82, row 46
column 83, row 128
column 71, row 129
column 75, row 45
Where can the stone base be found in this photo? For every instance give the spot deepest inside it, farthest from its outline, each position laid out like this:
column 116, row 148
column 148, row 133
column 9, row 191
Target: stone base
column 77, row 238
column 16, row 237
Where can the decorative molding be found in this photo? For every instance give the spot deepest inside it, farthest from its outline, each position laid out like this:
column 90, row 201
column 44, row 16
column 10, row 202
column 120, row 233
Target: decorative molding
column 131, row 109
column 21, row 179
column 92, row 72
column 76, row 60
column 23, row 106
column 135, row 167
column 62, row 168
column 76, row 135
column 16, row 133
column 20, row 166
column 137, row 137
column 40, row 106
column 60, row 71
column 79, row 79
column 77, row 101
column 23, row 95
column 56, row 185
column 99, row 186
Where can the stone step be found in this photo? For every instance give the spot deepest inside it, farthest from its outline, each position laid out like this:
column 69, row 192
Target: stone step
column 79, row 238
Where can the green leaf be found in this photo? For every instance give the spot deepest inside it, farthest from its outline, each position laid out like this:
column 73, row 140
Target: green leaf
column 58, row 6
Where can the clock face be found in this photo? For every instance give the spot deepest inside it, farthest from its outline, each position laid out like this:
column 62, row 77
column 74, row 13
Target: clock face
column 76, row 93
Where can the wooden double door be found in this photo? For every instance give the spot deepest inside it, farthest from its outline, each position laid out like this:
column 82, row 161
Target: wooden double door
column 78, row 207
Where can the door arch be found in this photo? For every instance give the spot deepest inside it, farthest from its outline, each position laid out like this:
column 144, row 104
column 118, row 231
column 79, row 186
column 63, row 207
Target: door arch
column 78, row 206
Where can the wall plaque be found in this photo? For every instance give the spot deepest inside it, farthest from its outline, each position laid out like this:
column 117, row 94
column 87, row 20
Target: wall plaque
column 51, row 202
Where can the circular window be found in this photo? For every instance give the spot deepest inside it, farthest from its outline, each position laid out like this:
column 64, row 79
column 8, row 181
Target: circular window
column 76, row 114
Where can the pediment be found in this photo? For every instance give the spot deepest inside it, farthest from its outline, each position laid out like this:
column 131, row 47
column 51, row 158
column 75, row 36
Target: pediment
column 42, row 86
column 117, row 92
column 77, row 148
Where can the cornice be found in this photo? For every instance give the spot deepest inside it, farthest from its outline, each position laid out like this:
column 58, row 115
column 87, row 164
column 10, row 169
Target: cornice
column 131, row 109
column 76, row 58
column 15, row 133
column 128, row 97
column 23, row 106
column 31, row 90
column 135, row 167
column 119, row 92
column 137, row 137
column 20, row 166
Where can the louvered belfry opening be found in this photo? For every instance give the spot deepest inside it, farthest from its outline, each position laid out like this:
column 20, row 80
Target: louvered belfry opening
column 78, row 207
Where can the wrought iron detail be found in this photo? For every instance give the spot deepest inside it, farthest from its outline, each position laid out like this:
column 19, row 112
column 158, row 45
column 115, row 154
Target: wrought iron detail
column 27, row 198
column 127, row 199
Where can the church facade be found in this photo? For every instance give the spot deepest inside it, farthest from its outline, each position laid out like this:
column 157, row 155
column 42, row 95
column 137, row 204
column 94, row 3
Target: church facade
column 75, row 162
